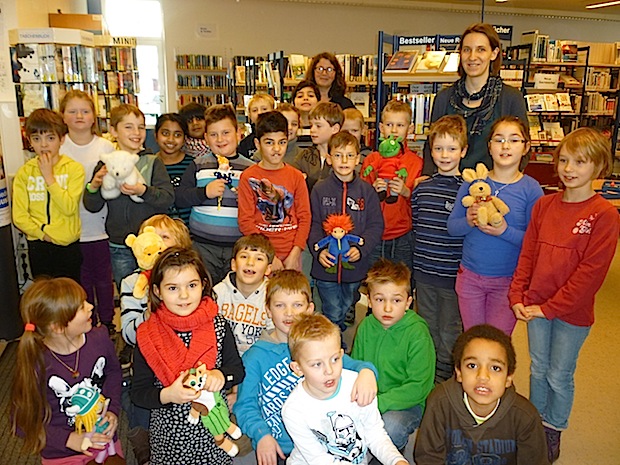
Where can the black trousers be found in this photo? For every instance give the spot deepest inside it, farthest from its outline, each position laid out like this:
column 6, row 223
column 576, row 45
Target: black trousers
column 47, row 259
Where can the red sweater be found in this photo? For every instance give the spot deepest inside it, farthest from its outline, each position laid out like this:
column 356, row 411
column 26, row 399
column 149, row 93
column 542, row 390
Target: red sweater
column 276, row 204
column 566, row 253
column 396, row 216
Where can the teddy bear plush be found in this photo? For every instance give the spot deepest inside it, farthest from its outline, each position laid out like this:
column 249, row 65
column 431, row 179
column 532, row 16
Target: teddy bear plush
column 122, row 169
column 146, row 247
column 492, row 209
column 211, row 410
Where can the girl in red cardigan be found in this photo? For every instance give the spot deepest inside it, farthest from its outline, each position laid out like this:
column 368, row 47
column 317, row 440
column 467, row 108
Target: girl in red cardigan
column 567, row 250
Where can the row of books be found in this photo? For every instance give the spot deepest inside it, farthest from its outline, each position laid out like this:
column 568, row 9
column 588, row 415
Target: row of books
column 118, row 82
column 595, row 102
column 601, row 79
column 31, row 95
column 552, row 51
column 545, row 132
column 33, row 63
column 358, row 68
column 432, row 61
column 200, row 62
column 116, row 58
column 421, row 106
column 202, row 81
column 105, row 103
column 206, row 100
column 550, row 102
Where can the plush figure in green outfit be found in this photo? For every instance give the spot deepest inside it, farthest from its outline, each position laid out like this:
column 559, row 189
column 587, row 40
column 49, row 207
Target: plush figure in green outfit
column 389, row 165
column 211, row 409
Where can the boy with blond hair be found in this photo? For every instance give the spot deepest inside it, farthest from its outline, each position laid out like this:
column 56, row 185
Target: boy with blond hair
column 269, row 379
column 479, row 417
column 355, row 124
column 338, row 277
column 241, row 295
column 259, row 103
column 397, row 240
column 273, row 198
column 407, row 369
column 326, row 426
column 436, row 254
column 325, row 119
column 46, row 196
column 209, row 187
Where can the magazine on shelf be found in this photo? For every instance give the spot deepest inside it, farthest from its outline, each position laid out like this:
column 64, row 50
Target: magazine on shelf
column 402, row 61
column 551, row 102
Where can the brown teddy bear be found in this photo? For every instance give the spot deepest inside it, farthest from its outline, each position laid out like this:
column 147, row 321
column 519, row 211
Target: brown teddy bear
column 146, row 247
column 492, row 209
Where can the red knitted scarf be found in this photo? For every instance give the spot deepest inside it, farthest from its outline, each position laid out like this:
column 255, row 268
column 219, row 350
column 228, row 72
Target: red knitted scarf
column 164, row 350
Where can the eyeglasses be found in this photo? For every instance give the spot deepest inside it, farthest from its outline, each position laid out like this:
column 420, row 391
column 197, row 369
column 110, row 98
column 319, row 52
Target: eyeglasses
column 344, row 156
column 322, row 69
column 502, row 141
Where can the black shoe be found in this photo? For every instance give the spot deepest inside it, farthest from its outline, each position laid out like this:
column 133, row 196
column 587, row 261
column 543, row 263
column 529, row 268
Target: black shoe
column 553, row 443
column 111, row 328
column 382, row 195
column 349, row 318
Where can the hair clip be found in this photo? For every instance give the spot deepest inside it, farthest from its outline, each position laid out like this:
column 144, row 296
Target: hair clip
column 29, row 327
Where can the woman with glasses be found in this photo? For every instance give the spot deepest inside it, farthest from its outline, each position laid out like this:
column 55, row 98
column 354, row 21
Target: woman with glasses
column 326, row 73
column 479, row 95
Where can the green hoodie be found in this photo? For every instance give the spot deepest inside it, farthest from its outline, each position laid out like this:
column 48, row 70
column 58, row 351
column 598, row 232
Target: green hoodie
column 403, row 354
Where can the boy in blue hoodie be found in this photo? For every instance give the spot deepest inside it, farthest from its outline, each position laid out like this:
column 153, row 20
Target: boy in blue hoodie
column 338, row 278
column 269, row 379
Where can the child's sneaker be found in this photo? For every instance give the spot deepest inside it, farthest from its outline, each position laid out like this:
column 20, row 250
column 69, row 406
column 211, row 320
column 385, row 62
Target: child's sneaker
column 349, row 318
column 553, row 443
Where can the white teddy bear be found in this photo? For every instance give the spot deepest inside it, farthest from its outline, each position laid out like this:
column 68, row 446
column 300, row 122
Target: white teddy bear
column 122, row 169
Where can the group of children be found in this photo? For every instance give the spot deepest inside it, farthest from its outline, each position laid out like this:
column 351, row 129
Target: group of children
column 251, row 225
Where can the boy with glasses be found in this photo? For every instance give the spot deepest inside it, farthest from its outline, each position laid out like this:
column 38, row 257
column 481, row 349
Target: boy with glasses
column 338, row 277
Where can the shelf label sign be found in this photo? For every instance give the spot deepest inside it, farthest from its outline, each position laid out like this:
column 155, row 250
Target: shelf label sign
column 449, row 42
column 207, row 31
column 416, row 40
column 504, row 32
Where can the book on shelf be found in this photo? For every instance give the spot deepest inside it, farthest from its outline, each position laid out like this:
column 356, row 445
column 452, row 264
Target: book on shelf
column 535, row 102
column 297, row 64
column 240, row 74
column 535, row 127
column 361, row 100
column 551, row 102
column 569, row 51
column 564, row 103
column 358, row 68
column 430, row 62
column 554, row 132
column 452, row 63
column 402, row 61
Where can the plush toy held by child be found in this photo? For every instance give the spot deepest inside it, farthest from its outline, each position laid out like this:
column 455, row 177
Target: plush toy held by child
column 338, row 238
column 211, row 409
column 89, row 408
column 146, row 247
column 389, row 166
column 492, row 209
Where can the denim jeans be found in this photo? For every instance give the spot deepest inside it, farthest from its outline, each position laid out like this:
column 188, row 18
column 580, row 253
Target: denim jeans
column 336, row 299
column 216, row 258
column 440, row 308
column 399, row 424
column 123, row 262
column 399, row 249
column 484, row 299
column 554, row 347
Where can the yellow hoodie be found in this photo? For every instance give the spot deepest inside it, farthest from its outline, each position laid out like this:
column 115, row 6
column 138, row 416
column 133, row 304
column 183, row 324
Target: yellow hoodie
column 39, row 209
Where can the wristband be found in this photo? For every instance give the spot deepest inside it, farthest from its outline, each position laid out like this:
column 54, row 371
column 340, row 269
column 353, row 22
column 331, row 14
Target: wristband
column 90, row 189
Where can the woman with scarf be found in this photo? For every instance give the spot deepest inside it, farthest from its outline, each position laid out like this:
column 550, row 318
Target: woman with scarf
column 479, row 95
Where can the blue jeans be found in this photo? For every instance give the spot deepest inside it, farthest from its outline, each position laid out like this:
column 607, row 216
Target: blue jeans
column 336, row 299
column 396, row 250
column 399, row 424
column 123, row 263
column 554, row 347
